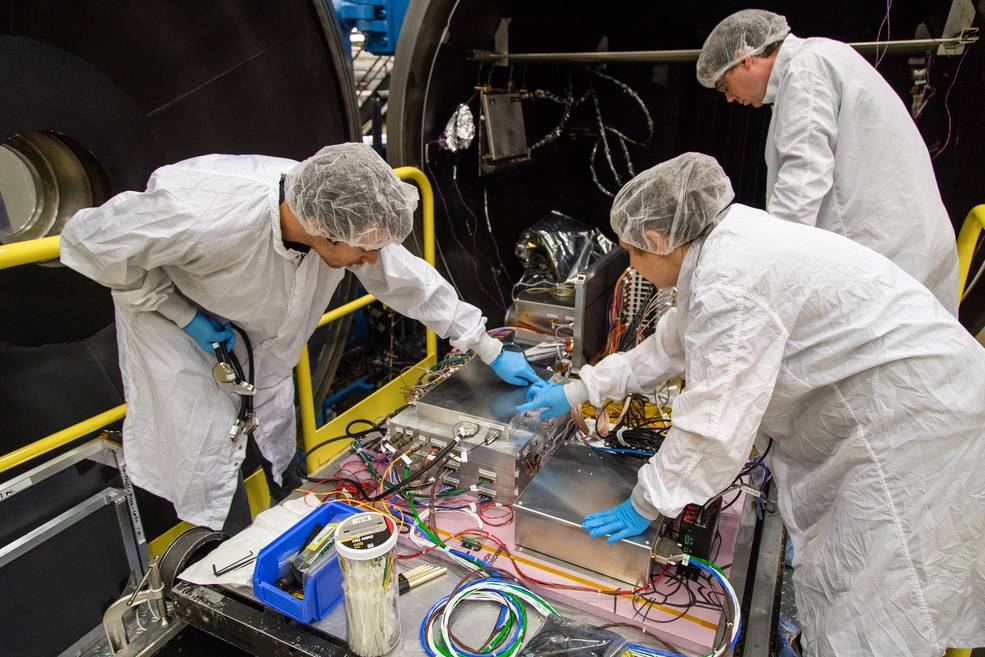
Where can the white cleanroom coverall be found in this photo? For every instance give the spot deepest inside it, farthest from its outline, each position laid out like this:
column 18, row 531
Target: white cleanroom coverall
column 206, row 235
column 874, row 397
column 843, row 154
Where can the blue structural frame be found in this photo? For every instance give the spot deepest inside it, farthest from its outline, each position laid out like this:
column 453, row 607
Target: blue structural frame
column 378, row 20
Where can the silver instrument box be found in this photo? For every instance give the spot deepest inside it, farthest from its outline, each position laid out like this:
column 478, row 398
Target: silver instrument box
column 575, row 482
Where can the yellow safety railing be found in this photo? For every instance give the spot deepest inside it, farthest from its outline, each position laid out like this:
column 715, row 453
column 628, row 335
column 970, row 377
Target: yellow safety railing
column 378, row 404
column 971, row 229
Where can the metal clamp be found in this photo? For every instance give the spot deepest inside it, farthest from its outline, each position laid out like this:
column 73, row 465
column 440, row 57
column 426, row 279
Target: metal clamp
column 150, row 590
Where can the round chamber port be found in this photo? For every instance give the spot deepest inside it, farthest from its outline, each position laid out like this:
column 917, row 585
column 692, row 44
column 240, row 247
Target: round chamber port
column 45, row 178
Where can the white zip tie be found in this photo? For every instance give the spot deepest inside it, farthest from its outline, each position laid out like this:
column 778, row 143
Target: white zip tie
column 749, row 490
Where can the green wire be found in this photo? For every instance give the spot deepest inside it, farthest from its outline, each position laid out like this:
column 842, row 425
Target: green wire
column 420, row 523
column 709, row 564
column 496, row 641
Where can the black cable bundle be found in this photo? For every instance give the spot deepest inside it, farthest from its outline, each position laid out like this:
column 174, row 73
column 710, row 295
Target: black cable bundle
column 648, row 440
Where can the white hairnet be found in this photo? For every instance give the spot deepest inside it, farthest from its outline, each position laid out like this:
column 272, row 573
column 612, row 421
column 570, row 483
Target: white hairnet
column 743, row 34
column 679, row 199
column 349, row 194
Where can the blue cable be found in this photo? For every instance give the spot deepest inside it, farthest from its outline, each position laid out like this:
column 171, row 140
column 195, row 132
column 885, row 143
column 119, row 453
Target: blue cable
column 507, row 601
column 635, row 647
column 469, row 557
column 721, row 580
column 610, row 450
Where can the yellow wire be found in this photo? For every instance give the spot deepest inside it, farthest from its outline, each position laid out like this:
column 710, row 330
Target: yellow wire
column 357, row 503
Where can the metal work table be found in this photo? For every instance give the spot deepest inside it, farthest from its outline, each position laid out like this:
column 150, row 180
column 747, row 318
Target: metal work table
column 246, row 624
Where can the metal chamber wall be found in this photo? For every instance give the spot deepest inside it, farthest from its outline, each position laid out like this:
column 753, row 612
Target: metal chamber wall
column 138, row 85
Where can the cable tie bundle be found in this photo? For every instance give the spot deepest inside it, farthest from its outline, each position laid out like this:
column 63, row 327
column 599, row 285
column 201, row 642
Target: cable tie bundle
column 365, row 544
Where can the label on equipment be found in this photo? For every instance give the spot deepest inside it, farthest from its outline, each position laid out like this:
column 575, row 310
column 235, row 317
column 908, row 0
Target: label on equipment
column 13, row 489
column 364, row 532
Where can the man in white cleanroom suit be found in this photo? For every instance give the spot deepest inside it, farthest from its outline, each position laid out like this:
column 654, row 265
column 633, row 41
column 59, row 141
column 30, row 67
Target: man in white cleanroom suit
column 261, row 242
column 872, row 393
column 842, row 152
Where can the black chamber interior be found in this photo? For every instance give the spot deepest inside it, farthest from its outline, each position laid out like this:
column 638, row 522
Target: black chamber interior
column 686, row 116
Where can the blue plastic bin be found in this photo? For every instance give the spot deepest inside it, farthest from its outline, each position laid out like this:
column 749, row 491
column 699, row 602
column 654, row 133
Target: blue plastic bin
column 323, row 590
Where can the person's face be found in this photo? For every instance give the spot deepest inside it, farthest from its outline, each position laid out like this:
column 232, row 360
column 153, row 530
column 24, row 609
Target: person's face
column 340, row 254
column 661, row 270
column 745, row 83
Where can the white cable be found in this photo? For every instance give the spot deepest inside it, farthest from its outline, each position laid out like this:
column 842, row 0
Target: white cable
column 417, row 536
column 737, row 611
column 483, row 590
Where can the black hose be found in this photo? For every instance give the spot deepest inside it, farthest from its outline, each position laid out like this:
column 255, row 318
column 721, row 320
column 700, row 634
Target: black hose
column 246, row 401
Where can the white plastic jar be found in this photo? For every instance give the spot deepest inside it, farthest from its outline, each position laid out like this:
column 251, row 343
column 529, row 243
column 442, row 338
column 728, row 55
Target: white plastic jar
column 365, row 544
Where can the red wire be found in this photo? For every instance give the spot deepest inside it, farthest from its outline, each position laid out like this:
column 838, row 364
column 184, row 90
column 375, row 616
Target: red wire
column 494, row 521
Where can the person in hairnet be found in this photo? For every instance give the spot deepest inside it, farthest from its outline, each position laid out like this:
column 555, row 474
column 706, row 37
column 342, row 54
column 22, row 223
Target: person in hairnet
column 261, row 242
column 869, row 392
column 842, row 152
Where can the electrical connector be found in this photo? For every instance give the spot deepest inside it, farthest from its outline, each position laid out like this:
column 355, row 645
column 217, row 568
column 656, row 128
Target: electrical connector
column 666, row 552
column 235, row 430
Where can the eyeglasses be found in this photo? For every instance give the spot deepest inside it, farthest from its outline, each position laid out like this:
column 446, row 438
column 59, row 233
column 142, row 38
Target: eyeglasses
column 722, row 84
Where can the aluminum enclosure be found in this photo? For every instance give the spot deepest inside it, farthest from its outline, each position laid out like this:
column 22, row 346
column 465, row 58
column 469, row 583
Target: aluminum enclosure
column 576, row 482
column 502, row 451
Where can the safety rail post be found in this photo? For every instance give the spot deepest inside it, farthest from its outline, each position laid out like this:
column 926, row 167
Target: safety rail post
column 971, row 229
column 389, row 396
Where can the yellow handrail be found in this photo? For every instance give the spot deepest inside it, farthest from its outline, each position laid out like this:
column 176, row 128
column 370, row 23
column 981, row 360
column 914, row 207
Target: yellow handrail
column 24, row 253
column 47, row 248
column 59, row 438
column 971, row 229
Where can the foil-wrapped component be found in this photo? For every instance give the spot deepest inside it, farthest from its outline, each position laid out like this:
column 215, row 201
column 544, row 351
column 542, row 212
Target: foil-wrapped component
column 460, row 130
column 558, row 248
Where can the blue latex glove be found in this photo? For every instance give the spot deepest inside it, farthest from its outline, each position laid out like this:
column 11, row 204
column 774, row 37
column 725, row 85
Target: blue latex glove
column 205, row 330
column 619, row 522
column 546, row 394
column 512, row 367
